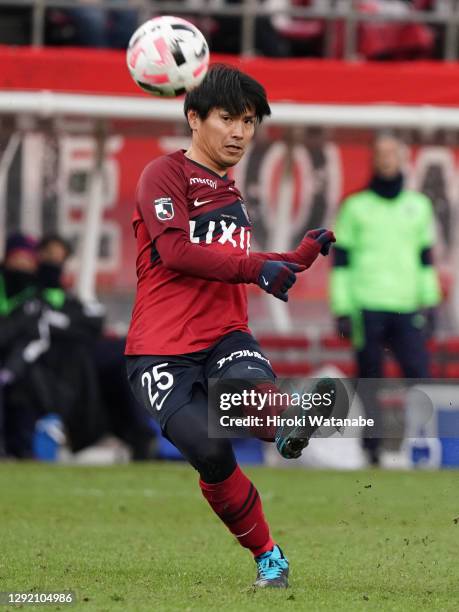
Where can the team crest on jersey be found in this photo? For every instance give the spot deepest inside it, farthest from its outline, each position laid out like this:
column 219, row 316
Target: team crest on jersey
column 164, row 208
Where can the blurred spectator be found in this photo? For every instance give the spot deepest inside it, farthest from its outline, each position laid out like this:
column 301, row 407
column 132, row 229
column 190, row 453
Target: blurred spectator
column 268, row 42
column 91, row 25
column 19, row 335
column 306, row 37
column 44, row 340
column 87, row 24
column 384, row 287
column 83, row 322
column 74, row 329
column 282, row 35
column 103, row 401
column 374, row 39
column 15, row 25
column 383, row 40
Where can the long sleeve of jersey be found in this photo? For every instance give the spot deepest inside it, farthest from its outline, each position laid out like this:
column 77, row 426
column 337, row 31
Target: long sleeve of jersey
column 304, row 255
column 179, row 254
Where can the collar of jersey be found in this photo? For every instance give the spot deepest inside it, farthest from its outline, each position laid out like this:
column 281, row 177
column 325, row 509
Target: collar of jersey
column 223, row 178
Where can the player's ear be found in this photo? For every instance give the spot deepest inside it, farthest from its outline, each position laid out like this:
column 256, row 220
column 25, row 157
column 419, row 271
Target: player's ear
column 193, row 119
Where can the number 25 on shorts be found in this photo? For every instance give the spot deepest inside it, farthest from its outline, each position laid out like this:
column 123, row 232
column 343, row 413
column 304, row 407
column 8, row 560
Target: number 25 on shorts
column 163, row 381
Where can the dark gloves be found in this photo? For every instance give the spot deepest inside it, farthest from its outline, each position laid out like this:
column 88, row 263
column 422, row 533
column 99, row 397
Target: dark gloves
column 276, row 277
column 344, row 327
column 324, row 237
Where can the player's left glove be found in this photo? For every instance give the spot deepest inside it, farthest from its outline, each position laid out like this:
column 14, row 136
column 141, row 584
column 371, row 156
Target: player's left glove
column 315, row 241
column 324, row 237
column 277, row 277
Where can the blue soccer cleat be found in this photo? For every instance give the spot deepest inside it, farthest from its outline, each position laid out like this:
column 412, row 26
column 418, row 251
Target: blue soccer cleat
column 272, row 569
column 291, row 440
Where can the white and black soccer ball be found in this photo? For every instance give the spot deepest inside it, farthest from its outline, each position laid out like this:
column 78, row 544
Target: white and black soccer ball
column 167, row 56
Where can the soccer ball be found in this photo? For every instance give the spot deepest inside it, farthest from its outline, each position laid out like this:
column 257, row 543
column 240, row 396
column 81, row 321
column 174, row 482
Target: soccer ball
column 167, row 56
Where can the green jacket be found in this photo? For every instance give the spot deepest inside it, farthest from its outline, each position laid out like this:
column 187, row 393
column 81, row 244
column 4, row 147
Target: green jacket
column 382, row 258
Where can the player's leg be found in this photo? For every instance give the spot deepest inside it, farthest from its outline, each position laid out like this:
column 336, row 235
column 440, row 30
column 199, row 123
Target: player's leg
column 272, row 565
column 230, row 494
column 239, row 356
column 369, row 369
column 407, row 342
column 172, row 389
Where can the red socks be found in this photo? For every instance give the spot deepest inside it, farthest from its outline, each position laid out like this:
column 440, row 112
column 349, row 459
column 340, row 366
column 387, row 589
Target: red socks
column 237, row 503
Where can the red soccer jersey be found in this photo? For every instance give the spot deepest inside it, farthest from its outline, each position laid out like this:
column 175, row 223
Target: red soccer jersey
column 176, row 313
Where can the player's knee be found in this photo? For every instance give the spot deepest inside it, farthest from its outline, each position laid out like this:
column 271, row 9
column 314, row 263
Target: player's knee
column 216, row 461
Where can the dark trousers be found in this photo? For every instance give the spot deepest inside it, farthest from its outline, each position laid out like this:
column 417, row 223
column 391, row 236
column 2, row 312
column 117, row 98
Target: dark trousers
column 25, row 401
column 399, row 333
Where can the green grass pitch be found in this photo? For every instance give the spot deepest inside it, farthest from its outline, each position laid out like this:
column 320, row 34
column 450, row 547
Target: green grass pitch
column 141, row 537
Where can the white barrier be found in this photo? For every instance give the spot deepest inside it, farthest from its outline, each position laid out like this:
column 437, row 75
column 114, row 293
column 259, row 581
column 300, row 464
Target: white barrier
column 47, row 104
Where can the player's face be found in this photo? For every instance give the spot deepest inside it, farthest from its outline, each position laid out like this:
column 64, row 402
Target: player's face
column 387, row 157
column 220, row 140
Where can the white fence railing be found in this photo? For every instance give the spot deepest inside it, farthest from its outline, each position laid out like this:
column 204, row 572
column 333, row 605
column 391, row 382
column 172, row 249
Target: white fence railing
column 47, row 104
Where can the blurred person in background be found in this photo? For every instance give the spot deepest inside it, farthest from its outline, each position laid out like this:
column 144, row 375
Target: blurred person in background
column 384, row 287
column 15, row 25
column 73, row 331
column 103, row 403
column 391, row 39
column 84, row 321
column 19, row 317
column 267, row 40
column 304, row 36
column 89, row 23
column 43, row 335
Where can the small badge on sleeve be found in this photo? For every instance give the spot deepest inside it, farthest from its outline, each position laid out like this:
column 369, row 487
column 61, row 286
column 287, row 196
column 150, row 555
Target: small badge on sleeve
column 164, row 208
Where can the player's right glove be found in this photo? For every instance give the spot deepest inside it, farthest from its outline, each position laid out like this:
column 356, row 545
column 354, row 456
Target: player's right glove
column 277, row 277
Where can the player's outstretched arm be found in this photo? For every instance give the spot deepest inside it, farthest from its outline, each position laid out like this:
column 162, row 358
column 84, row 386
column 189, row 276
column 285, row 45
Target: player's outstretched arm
column 314, row 242
column 177, row 253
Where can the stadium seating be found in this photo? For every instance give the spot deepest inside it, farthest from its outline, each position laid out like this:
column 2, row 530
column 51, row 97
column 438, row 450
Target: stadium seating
column 297, row 356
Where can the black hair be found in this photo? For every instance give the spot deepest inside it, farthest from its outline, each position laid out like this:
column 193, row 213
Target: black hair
column 50, row 238
column 229, row 88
